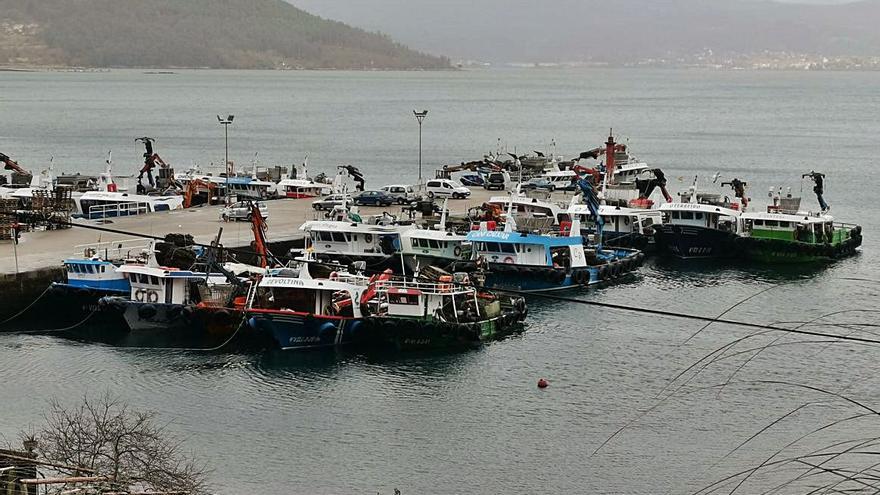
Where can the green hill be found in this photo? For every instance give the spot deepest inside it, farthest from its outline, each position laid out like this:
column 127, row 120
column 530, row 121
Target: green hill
column 240, row 34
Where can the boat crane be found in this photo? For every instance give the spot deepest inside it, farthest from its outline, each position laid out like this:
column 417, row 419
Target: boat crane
column 10, row 164
column 818, row 188
column 739, row 190
column 150, row 160
column 592, row 202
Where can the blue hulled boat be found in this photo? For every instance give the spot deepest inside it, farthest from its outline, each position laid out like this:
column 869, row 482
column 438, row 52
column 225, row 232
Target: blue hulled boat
column 537, row 263
column 294, row 311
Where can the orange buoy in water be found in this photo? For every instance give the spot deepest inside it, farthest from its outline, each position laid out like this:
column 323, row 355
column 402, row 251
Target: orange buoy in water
column 542, row 383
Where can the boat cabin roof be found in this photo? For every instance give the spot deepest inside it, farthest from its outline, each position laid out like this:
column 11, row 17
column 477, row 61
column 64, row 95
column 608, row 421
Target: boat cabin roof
column 441, row 235
column 804, row 218
column 160, row 271
column 611, row 211
column 306, row 283
column 710, row 209
column 332, row 226
column 94, row 261
column 522, row 238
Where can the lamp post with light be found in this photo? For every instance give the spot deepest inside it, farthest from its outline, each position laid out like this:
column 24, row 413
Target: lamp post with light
column 420, row 116
column 226, row 123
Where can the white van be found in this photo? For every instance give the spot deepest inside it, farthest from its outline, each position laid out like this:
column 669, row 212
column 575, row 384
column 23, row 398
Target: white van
column 442, row 188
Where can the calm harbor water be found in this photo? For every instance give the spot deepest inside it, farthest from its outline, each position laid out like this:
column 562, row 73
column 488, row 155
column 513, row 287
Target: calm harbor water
column 474, row 422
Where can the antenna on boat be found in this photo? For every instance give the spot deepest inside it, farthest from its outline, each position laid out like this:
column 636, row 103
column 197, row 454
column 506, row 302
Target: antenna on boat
column 442, row 225
column 510, row 221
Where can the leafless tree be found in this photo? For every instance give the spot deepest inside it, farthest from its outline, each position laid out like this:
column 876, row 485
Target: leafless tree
column 129, row 447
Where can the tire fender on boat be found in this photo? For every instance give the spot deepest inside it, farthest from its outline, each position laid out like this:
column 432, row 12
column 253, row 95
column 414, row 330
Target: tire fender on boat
column 559, row 276
column 327, row 330
column 147, row 311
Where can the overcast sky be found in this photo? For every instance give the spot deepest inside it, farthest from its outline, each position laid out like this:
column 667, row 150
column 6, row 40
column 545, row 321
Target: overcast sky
column 612, row 30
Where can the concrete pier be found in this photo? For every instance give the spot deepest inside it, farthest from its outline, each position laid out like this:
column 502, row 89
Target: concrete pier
column 39, row 254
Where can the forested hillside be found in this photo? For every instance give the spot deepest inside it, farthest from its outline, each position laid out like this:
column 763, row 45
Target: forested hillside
column 191, row 33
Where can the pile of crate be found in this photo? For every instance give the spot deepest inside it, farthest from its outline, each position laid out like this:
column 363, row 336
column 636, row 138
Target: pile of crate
column 7, row 217
column 52, row 208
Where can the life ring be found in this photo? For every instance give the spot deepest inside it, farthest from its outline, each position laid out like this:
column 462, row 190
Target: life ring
column 509, row 260
column 368, row 238
column 457, row 251
column 152, row 296
column 140, row 295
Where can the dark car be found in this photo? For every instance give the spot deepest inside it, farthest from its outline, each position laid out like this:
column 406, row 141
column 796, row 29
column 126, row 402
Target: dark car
column 538, row 183
column 495, row 180
column 373, row 198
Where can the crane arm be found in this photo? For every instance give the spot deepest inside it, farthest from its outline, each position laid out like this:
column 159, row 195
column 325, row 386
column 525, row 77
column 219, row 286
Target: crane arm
column 10, row 164
column 592, row 201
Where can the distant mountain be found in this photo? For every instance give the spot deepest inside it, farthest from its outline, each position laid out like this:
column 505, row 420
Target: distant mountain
column 191, row 33
column 613, row 30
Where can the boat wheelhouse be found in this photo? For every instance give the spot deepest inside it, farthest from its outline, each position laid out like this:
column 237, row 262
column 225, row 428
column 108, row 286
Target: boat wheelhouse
column 699, row 230
column 440, row 248
column 295, row 311
column 624, row 227
column 353, row 241
column 301, row 188
column 529, row 207
column 535, row 263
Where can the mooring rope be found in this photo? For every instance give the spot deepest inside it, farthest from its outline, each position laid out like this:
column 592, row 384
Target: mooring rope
column 29, row 306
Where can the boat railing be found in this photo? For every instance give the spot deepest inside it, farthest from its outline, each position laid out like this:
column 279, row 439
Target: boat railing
column 424, row 287
column 113, row 250
column 125, row 209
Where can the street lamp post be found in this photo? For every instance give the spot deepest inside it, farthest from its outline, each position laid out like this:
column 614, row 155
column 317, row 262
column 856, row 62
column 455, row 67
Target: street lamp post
column 226, row 123
column 420, row 116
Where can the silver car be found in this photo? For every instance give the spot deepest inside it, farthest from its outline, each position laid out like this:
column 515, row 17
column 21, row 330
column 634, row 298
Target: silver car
column 242, row 211
column 331, row 201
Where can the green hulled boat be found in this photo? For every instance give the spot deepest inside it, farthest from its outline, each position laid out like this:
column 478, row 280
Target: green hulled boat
column 786, row 236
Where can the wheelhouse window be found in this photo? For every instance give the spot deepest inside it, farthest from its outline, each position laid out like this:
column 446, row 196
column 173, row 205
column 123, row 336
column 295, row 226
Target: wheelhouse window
column 407, row 299
column 337, row 236
column 434, row 244
column 687, row 215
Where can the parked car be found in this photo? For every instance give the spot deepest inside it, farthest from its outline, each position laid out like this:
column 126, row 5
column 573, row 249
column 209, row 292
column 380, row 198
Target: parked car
column 373, row 198
column 331, row 201
column 495, row 180
column 538, row 183
column 472, row 180
column 445, row 188
column 403, row 195
column 242, row 211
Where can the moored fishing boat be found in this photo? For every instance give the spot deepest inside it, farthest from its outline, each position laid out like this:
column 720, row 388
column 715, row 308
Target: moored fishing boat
column 433, row 247
column 418, row 314
column 701, row 225
column 170, row 307
column 784, row 234
column 292, row 310
column 537, row 263
column 378, row 244
column 624, row 227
